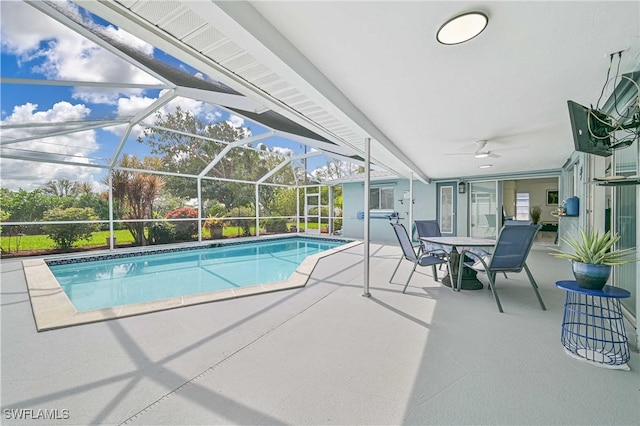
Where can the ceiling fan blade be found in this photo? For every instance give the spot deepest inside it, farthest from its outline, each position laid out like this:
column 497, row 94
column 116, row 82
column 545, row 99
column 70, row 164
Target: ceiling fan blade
column 480, row 145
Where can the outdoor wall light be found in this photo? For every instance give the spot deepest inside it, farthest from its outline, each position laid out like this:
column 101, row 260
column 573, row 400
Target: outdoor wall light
column 462, row 188
column 462, row 28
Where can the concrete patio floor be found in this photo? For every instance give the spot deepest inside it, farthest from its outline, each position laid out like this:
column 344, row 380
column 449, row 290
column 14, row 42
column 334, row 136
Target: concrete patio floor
column 322, row 354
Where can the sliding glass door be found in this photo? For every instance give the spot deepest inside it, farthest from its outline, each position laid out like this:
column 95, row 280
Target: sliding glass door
column 625, row 222
column 483, row 217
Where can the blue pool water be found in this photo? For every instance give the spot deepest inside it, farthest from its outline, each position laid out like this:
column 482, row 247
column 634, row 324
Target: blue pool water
column 125, row 280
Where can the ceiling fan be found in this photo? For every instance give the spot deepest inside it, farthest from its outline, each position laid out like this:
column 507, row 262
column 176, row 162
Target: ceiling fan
column 481, row 151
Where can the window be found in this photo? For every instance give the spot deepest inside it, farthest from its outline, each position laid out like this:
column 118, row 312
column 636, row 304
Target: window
column 522, row 206
column 381, row 198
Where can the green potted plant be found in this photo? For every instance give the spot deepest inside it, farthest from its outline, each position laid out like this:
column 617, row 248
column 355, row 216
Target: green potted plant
column 593, row 256
column 215, row 226
column 535, row 213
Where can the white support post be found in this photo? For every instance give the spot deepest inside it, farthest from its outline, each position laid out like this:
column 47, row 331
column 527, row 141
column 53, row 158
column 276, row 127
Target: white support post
column 411, row 204
column 367, row 184
column 319, row 211
column 110, row 210
column 297, row 209
column 199, row 181
column 257, row 212
column 330, row 195
column 306, row 210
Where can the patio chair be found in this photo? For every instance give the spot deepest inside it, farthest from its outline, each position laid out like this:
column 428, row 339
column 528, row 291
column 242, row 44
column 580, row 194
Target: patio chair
column 430, row 228
column 408, row 253
column 509, row 255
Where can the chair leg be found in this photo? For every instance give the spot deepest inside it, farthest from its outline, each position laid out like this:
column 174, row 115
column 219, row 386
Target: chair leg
column 492, row 286
column 535, row 287
column 396, row 270
column 410, row 275
column 460, row 271
column 435, row 273
column 449, row 269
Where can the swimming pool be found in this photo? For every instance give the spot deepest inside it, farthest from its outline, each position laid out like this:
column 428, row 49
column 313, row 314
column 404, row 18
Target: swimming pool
column 81, row 289
column 122, row 281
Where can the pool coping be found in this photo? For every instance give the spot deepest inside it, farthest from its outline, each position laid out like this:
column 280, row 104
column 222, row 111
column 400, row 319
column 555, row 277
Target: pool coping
column 52, row 309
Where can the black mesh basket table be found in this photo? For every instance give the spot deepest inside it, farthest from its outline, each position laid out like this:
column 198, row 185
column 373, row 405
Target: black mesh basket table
column 593, row 325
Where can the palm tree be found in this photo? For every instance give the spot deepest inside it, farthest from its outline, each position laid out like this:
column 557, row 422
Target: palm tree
column 135, row 192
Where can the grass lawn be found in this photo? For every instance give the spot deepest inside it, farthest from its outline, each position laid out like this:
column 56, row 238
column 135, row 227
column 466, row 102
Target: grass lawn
column 40, row 242
column 98, row 239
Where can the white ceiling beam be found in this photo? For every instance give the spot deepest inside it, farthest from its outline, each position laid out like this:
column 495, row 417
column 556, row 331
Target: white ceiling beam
column 223, row 99
column 180, row 132
column 75, row 83
column 45, row 157
column 228, row 148
column 30, row 125
column 273, row 171
column 307, row 155
column 59, row 133
column 162, row 100
column 157, row 104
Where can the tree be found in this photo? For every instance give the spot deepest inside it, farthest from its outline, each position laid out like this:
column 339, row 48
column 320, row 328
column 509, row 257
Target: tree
column 135, row 192
column 336, row 169
column 190, row 154
column 62, row 188
column 24, row 206
column 283, row 202
column 64, row 235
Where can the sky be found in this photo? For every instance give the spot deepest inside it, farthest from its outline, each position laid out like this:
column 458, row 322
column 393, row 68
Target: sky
column 35, row 46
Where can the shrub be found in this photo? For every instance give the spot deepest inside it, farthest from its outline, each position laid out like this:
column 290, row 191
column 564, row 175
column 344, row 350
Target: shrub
column 245, row 224
column 324, row 211
column 161, row 233
column 187, row 229
column 217, row 210
column 276, row 225
column 64, row 235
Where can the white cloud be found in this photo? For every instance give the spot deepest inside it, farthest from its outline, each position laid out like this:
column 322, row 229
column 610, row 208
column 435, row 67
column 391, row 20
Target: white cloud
column 282, row 151
column 235, row 120
column 72, row 147
column 67, row 55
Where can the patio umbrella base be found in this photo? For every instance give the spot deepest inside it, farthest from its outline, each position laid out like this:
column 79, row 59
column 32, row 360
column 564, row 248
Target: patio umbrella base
column 468, row 283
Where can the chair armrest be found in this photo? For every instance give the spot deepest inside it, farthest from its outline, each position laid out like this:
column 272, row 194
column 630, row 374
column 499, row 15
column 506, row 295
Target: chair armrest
column 461, row 266
column 483, row 258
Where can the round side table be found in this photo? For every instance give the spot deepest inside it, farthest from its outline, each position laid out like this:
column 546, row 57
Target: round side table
column 593, row 325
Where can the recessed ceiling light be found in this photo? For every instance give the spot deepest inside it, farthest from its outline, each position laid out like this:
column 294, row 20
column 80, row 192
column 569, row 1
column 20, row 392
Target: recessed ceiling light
column 462, row 28
column 482, row 155
column 485, row 166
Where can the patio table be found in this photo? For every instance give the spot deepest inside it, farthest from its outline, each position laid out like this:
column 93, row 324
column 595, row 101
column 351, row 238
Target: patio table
column 469, row 280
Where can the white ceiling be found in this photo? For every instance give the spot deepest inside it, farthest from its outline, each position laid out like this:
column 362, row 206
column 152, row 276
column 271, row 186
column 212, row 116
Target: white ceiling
column 355, row 69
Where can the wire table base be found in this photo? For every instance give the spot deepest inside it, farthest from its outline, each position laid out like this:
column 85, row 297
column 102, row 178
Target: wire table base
column 593, row 325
